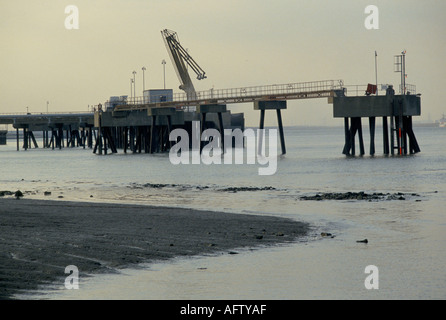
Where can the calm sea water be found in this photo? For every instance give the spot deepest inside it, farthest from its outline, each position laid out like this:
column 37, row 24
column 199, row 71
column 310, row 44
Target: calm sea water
column 406, row 238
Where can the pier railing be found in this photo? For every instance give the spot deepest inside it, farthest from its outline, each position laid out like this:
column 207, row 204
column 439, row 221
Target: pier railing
column 44, row 113
column 360, row 89
column 268, row 90
column 299, row 90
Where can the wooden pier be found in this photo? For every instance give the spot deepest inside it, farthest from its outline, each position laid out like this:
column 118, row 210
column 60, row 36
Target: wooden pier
column 144, row 123
column 147, row 129
column 139, row 125
column 58, row 130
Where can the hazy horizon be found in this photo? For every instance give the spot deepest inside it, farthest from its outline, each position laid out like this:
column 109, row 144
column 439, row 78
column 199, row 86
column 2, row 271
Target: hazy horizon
column 237, row 43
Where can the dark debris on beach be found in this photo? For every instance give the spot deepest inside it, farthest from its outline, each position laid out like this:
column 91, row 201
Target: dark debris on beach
column 231, row 189
column 376, row 196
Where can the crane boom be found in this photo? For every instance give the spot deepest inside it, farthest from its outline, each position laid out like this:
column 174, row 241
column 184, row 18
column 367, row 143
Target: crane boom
column 180, row 57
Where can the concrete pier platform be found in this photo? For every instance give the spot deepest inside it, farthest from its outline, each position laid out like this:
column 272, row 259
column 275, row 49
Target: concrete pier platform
column 147, row 129
column 399, row 108
column 138, row 124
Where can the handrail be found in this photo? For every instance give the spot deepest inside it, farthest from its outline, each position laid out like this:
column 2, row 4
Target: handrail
column 254, row 91
column 360, row 89
column 44, row 113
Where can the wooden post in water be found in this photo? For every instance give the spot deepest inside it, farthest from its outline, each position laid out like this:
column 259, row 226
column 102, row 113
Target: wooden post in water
column 222, row 131
column 53, row 133
column 83, row 137
column 31, row 135
column 169, row 129
column 372, row 121
column 271, row 105
column 413, row 144
column 132, row 138
column 100, row 136
column 126, row 137
column 203, row 127
column 355, row 127
column 385, row 136
column 18, row 140
column 152, row 134
column 261, row 128
column 361, row 141
column 347, row 145
column 392, row 135
column 60, row 137
column 25, row 139
column 282, row 138
column 353, row 130
column 90, row 137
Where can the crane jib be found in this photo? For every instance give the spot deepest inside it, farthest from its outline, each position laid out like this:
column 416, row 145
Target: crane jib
column 180, row 57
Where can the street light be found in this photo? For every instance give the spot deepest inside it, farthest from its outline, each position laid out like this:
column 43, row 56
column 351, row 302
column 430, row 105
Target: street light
column 47, row 103
column 134, row 84
column 143, row 80
column 376, row 72
column 131, row 88
column 164, row 71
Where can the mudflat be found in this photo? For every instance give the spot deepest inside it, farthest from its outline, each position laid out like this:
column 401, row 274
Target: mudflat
column 39, row 238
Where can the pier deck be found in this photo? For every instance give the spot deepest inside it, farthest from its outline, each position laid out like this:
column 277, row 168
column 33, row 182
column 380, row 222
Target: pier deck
column 76, row 127
column 290, row 91
column 138, row 124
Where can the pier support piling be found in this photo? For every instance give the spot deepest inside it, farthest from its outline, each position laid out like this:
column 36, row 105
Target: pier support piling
column 350, row 134
column 218, row 109
column 261, row 128
column 282, row 137
column 18, row 140
column 277, row 105
column 385, row 136
column 372, row 121
column 347, row 144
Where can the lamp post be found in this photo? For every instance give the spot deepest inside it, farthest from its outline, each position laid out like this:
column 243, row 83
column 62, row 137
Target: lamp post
column 47, row 103
column 376, row 72
column 134, row 84
column 131, row 88
column 143, row 80
column 164, row 72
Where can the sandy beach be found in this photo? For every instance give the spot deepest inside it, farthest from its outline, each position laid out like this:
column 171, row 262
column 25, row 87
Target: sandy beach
column 38, row 238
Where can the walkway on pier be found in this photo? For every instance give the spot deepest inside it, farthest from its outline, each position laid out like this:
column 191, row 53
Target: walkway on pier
column 46, row 119
column 138, row 123
column 300, row 90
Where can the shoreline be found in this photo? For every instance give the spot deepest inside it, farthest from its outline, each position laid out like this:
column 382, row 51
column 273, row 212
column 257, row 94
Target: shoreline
column 39, row 238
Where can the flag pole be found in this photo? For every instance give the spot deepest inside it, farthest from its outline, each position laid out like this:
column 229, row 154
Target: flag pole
column 376, row 72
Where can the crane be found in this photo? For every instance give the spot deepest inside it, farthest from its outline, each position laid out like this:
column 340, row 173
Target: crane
column 180, row 57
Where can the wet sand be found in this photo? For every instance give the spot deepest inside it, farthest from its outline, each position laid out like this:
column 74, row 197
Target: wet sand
column 39, row 238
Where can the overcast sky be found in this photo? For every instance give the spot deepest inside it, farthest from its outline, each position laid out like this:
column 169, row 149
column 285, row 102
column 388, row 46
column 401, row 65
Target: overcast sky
column 237, row 42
